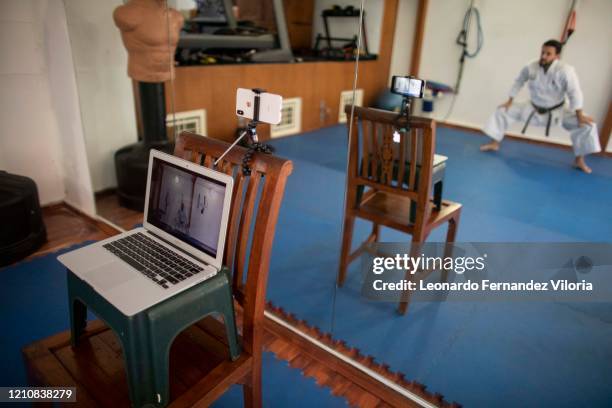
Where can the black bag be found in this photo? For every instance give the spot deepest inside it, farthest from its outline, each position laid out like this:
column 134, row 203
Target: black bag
column 22, row 230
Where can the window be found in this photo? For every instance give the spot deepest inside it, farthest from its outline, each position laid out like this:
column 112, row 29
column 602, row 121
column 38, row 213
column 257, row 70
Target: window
column 291, row 119
column 346, row 98
column 187, row 121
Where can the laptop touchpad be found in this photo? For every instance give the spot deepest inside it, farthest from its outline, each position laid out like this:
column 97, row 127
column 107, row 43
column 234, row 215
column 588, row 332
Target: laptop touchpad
column 108, row 276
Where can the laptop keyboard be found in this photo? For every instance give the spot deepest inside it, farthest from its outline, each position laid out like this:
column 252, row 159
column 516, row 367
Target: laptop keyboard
column 155, row 261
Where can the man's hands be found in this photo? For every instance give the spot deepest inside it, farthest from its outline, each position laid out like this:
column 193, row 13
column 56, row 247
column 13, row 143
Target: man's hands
column 506, row 105
column 583, row 119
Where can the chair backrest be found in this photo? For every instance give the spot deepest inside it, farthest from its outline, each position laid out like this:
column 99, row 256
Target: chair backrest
column 401, row 166
column 255, row 205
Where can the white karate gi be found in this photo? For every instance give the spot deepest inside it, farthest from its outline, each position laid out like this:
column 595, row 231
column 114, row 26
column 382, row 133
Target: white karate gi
column 547, row 89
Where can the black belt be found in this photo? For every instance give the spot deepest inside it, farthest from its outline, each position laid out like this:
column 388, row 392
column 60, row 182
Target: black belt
column 542, row 111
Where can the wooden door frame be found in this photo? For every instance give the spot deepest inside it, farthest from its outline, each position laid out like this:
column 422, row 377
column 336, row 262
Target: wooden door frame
column 419, row 35
column 606, row 128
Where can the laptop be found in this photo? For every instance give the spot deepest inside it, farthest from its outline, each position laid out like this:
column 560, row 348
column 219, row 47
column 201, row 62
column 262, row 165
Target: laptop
column 180, row 244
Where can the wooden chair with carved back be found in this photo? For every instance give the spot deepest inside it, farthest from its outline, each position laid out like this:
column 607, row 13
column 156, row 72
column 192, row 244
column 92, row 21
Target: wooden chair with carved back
column 254, row 212
column 381, row 190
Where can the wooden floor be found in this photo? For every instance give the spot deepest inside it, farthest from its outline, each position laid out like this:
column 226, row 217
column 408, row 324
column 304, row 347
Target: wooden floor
column 66, row 227
column 96, row 366
column 107, row 205
column 102, row 360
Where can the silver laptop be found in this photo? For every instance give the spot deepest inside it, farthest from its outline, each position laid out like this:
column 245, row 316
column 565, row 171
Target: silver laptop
column 179, row 245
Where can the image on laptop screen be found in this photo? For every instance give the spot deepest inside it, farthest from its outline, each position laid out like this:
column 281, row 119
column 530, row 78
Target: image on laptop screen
column 187, row 205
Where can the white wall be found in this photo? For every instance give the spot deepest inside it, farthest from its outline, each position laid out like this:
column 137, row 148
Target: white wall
column 348, row 27
column 104, row 89
column 62, row 86
column 41, row 128
column 514, row 31
column 403, row 38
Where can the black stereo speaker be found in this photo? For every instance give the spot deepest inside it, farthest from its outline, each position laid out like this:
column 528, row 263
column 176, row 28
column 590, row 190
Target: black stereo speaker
column 22, row 230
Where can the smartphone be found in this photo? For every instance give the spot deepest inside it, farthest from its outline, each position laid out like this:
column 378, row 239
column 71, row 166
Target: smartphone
column 270, row 106
column 407, row 86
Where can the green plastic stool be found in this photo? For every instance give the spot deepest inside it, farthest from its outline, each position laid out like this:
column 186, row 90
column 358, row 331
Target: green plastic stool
column 146, row 337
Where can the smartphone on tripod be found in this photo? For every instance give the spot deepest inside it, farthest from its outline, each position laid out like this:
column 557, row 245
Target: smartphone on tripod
column 407, row 86
column 270, row 106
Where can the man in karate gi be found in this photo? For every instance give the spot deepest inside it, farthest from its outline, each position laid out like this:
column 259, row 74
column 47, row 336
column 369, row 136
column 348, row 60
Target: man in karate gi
column 549, row 81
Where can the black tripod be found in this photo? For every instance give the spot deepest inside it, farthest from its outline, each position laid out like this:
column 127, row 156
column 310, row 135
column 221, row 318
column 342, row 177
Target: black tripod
column 404, row 113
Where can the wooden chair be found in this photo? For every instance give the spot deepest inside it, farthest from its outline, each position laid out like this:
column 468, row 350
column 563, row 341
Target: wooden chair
column 381, row 190
column 146, row 337
column 249, row 264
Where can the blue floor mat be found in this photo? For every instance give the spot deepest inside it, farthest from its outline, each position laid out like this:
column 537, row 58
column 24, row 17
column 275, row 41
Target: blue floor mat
column 479, row 354
column 33, row 306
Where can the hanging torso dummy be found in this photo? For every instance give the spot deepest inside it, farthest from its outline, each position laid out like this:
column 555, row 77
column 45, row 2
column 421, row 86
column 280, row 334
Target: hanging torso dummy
column 150, row 33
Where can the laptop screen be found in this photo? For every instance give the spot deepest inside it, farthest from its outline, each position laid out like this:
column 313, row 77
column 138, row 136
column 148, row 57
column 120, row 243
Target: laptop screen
column 186, row 205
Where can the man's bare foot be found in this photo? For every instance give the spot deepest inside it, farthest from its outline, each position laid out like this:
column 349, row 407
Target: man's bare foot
column 490, row 147
column 581, row 165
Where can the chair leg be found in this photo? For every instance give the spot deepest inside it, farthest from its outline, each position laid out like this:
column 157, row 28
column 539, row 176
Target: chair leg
column 453, row 226
column 404, row 302
column 415, row 249
column 252, row 388
column 347, row 238
column 451, row 234
column 146, row 363
column 137, row 384
column 438, row 194
column 78, row 314
column 78, row 320
column 227, row 311
column 161, row 367
column 376, row 232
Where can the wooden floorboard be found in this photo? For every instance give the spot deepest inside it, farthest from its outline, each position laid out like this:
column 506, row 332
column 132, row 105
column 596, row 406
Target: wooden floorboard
column 100, row 361
column 96, row 365
column 66, row 227
column 107, row 205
